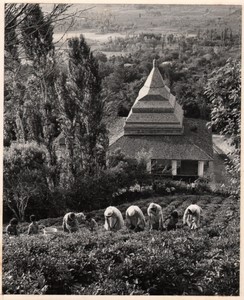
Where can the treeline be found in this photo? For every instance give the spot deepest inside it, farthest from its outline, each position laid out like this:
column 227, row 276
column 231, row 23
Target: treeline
column 186, row 64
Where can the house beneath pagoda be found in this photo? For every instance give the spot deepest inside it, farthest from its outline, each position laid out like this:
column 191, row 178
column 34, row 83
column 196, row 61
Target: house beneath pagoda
column 178, row 146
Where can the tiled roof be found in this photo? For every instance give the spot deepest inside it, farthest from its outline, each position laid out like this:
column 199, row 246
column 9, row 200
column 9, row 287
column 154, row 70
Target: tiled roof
column 156, row 93
column 152, row 106
column 153, row 118
column 154, row 88
column 154, row 79
column 194, row 144
column 116, row 129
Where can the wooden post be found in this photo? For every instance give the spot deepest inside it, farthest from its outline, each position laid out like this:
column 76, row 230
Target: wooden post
column 200, row 168
column 149, row 166
column 174, row 167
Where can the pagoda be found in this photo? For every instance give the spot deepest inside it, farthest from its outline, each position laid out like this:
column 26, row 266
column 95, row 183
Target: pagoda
column 155, row 111
column 179, row 147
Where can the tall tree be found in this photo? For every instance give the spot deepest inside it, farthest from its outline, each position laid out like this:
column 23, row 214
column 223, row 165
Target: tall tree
column 82, row 110
column 40, row 98
column 11, row 42
column 37, row 36
column 12, row 93
column 71, row 125
column 93, row 112
column 22, row 20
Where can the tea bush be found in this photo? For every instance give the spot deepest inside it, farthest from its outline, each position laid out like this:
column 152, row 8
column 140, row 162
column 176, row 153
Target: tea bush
column 181, row 262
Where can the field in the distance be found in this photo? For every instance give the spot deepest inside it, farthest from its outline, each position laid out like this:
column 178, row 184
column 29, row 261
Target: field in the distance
column 181, row 262
column 159, row 18
column 163, row 19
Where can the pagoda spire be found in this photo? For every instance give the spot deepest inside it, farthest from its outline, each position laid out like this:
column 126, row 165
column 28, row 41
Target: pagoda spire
column 155, row 110
column 155, row 79
column 155, row 64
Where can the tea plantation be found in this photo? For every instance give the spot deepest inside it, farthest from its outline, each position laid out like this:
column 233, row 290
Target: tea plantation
column 181, row 262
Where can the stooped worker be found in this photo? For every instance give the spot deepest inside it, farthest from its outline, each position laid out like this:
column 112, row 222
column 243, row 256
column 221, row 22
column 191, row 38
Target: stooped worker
column 135, row 219
column 113, row 219
column 33, row 227
column 90, row 223
column 155, row 214
column 80, row 217
column 70, row 223
column 173, row 220
column 12, row 229
column 192, row 215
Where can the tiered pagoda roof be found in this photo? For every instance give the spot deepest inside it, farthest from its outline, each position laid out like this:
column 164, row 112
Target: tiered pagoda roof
column 155, row 111
column 194, row 144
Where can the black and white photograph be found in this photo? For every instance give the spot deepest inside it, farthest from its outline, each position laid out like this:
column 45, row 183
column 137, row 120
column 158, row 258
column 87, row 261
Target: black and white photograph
column 121, row 149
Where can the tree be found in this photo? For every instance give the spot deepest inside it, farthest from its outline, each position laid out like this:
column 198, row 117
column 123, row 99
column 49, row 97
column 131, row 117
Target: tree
column 115, row 158
column 16, row 14
column 40, row 111
column 223, row 90
column 30, row 72
column 81, row 106
column 143, row 159
column 71, row 125
column 37, row 36
column 11, row 90
column 28, row 38
column 24, row 176
column 11, row 42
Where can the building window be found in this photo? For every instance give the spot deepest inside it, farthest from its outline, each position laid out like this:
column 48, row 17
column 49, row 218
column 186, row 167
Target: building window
column 188, row 168
column 161, row 167
column 178, row 166
column 206, row 166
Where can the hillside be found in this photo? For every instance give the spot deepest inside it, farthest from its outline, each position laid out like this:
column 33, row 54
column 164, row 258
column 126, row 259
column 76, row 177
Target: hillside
column 181, row 262
column 100, row 23
column 68, row 97
column 155, row 18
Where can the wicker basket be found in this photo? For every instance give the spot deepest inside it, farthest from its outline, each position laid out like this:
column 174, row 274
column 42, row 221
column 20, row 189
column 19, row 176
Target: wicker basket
column 50, row 230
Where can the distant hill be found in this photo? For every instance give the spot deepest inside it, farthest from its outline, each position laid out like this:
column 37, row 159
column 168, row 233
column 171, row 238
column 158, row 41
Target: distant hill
column 155, row 18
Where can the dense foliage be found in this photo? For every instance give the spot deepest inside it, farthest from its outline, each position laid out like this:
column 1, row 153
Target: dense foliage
column 181, row 262
column 24, row 177
column 224, row 92
column 41, row 101
column 81, row 111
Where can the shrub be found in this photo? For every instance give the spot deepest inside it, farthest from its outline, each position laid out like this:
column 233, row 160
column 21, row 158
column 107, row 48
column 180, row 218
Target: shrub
column 109, row 186
column 24, row 177
column 162, row 186
column 181, row 262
